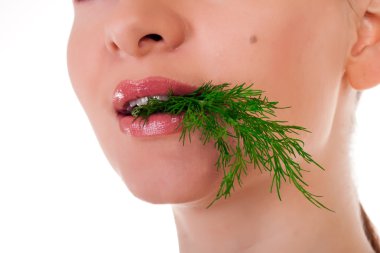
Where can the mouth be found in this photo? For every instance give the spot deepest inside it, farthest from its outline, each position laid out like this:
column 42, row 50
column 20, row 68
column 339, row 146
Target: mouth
column 131, row 93
column 130, row 105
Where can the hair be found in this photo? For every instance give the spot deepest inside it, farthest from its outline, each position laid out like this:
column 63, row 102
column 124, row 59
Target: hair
column 368, row 227
column 370, row 230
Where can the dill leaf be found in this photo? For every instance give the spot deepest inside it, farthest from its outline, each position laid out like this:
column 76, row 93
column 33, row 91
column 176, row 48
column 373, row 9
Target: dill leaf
column 214, row 109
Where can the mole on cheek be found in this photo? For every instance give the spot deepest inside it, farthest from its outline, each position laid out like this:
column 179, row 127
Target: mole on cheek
column 252, row 39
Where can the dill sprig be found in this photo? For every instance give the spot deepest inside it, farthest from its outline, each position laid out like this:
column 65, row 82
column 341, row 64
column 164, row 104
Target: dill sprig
column 214, row 109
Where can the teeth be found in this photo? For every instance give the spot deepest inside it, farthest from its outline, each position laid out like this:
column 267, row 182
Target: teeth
column 144, row 100
column 164, row 98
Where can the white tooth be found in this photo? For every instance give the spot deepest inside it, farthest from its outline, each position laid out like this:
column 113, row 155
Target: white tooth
column 138, row 101
column 161, row 97
column 142, row 101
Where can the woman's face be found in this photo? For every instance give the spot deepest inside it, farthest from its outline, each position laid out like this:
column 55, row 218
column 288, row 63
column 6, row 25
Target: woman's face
column 294, row 50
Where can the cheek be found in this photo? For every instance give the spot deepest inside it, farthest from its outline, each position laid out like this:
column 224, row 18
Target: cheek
column 310, row 66
column 84, row 65
column 79, row 72
column 298, row 60
column 85, row 60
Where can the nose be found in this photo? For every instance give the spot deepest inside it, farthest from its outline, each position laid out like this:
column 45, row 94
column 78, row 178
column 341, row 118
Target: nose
column 138, row 28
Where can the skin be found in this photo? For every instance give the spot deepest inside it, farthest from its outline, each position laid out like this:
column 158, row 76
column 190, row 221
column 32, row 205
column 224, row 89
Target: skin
column 311, row 55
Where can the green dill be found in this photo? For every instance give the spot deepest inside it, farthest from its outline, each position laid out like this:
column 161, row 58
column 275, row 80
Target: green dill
column 214, row 109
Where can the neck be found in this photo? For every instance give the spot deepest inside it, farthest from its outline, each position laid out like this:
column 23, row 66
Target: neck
column 254, row 221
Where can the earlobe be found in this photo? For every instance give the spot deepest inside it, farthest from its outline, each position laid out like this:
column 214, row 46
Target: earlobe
column 363, row 67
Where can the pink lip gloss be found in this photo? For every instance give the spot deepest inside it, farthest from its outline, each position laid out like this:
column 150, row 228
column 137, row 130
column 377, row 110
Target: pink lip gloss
column 158, row 123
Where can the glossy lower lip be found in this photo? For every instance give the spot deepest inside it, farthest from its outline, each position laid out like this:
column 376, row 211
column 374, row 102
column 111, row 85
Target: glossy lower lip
column 158, row 124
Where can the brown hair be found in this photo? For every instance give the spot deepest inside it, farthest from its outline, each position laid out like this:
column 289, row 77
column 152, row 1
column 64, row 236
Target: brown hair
column 368, row 227
column 370, row 231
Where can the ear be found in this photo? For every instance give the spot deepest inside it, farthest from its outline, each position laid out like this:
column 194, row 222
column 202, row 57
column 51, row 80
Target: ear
column 363, row 67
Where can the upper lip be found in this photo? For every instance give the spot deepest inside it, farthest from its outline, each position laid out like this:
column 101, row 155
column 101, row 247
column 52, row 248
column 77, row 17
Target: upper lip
column 128, row 90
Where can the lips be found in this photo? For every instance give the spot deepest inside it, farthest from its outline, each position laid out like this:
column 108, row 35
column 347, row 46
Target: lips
column 159, row 123
column 128, row 90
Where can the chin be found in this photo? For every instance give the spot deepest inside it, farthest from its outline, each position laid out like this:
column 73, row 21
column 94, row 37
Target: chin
column 172, row 186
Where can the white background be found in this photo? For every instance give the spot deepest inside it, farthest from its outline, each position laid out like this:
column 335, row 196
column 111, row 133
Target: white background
column 57, row 191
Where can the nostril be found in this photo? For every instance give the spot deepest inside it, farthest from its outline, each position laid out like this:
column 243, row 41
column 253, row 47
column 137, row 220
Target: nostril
column 152, row 36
